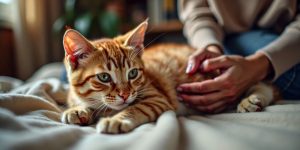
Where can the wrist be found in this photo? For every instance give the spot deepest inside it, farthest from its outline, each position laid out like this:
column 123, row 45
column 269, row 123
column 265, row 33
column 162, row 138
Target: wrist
column 261, row 63
column 214, row 48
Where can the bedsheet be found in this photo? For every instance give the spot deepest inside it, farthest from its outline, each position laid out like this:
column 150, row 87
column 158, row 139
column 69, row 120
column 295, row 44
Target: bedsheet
column 30, row 119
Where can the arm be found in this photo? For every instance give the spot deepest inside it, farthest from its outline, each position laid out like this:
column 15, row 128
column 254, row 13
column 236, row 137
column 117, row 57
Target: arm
column 239, row 72
column 202, row 31
column 284, row 52
column 200, row 26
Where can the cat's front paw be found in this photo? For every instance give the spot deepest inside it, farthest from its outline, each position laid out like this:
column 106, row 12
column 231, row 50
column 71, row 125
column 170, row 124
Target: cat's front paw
column 77, row 115
column 252, row 103
column 114, row 125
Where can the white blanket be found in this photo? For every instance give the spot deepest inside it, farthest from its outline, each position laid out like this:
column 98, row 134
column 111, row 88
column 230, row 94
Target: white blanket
column 30, row 119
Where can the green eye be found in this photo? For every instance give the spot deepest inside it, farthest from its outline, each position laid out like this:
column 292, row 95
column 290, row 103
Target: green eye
column 104, row 77
column 132, row 73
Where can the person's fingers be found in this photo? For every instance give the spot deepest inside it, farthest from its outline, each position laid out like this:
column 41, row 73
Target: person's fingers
column 221, row 62
column 196, row 59
column 213, row 108
column 192, row 66
column 203, row 100
column 201, row 87
column 194, row 62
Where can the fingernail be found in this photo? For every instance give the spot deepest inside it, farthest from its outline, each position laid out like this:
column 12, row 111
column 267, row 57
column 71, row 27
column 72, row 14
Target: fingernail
column 189, row 67
column 204, row 65
column 179, row 89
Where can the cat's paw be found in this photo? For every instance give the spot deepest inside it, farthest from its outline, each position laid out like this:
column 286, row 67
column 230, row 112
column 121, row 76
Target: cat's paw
column 77, row 115
column 114, row 125
column 252, row 103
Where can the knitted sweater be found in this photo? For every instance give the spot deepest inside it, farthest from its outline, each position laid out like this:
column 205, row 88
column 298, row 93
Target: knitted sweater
column 207, row 21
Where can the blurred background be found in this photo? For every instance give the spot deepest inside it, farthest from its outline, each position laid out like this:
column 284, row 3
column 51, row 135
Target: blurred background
column 31, row 31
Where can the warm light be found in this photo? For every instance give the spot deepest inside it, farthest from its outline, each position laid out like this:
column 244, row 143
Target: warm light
column 5, row 1
column 30, row 11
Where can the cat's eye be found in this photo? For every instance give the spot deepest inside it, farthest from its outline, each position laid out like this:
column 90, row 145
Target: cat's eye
column 133, row 73
column 104, row 77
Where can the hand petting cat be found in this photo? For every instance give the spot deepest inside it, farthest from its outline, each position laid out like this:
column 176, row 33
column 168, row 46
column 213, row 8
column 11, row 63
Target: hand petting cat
column 237, row 75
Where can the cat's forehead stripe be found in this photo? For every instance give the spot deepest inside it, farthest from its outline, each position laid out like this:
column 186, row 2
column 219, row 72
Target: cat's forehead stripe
column 108, row 65
column 114, row 61
column 114, row 53
column 118, row 58
column 123, row 58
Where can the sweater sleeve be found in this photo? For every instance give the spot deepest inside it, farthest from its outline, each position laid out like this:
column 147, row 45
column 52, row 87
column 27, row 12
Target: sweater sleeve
column 200, row 26
column 284, row 52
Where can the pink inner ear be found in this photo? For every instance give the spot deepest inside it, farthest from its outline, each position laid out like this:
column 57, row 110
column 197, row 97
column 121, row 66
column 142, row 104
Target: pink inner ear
column 76, row 47
column 69, row 45
column 136, row 39
column 75, row 44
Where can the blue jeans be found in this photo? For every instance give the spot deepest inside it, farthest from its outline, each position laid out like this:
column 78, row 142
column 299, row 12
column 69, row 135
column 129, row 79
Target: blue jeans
column 247, row 43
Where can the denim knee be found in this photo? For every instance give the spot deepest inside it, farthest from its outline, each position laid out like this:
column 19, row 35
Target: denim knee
column 289, row 83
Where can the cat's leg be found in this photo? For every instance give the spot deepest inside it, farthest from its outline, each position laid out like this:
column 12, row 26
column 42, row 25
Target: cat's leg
column 257, row 98
column 79, row 115
column 142, row 112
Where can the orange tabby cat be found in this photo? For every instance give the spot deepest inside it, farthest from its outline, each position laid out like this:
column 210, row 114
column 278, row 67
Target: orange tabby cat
column 118, row 83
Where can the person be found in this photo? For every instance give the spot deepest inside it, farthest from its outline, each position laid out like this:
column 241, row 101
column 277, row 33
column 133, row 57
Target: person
column 248, row 41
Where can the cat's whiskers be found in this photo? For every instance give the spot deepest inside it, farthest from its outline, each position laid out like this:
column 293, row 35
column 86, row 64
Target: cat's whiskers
column 135, row 53
column 105, row 110
column 99, row 106
column 88, row 103
column 94, row 104
column 148, row 31
column 98, row 110
column 142, row 92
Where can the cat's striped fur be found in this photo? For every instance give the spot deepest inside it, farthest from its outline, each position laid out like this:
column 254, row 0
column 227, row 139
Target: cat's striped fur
column 119, row 83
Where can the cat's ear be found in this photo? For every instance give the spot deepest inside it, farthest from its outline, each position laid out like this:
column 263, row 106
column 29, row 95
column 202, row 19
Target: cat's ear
column 136, row 37
column 76, row 47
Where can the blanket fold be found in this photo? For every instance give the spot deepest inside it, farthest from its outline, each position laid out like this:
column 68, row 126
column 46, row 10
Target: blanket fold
column 30, row 119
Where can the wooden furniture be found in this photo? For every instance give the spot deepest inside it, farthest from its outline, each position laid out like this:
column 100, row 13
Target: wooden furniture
column 165, row 32
column 7, row 61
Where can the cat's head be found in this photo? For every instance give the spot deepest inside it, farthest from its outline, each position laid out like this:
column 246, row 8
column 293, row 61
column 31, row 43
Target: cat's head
column 109, row 71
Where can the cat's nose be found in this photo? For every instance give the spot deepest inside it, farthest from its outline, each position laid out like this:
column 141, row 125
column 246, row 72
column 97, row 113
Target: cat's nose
column 124, row 95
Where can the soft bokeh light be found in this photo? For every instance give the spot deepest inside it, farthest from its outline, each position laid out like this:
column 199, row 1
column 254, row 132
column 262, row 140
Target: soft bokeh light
column 5, row 1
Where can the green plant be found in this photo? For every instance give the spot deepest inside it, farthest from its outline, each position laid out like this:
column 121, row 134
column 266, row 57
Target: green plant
column 90, row 17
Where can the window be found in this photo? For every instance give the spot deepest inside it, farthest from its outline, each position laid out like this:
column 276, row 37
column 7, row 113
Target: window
column 5, row 13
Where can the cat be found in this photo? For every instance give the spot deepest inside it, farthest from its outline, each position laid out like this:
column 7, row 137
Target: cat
column 123, row 86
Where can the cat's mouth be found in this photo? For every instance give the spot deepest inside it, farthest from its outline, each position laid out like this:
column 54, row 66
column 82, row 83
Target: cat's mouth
column 120, row 103
column 120, row 106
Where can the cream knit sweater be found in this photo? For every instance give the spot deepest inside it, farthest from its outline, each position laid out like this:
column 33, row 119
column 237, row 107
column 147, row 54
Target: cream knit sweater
column 207, row 21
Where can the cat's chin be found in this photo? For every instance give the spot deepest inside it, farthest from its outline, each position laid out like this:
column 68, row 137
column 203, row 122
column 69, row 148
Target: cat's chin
column 118, row 107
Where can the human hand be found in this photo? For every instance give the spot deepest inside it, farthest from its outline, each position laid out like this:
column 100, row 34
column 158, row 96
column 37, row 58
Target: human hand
column 216, row 94
column 196, row 59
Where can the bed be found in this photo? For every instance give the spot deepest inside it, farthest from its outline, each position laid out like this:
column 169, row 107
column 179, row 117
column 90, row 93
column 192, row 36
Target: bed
column 30, row 119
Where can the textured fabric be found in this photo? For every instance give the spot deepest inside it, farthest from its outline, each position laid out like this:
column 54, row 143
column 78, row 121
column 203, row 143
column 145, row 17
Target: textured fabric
column 289, row 83
column 248, row 43
column 30, row 119
column 207, row 21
